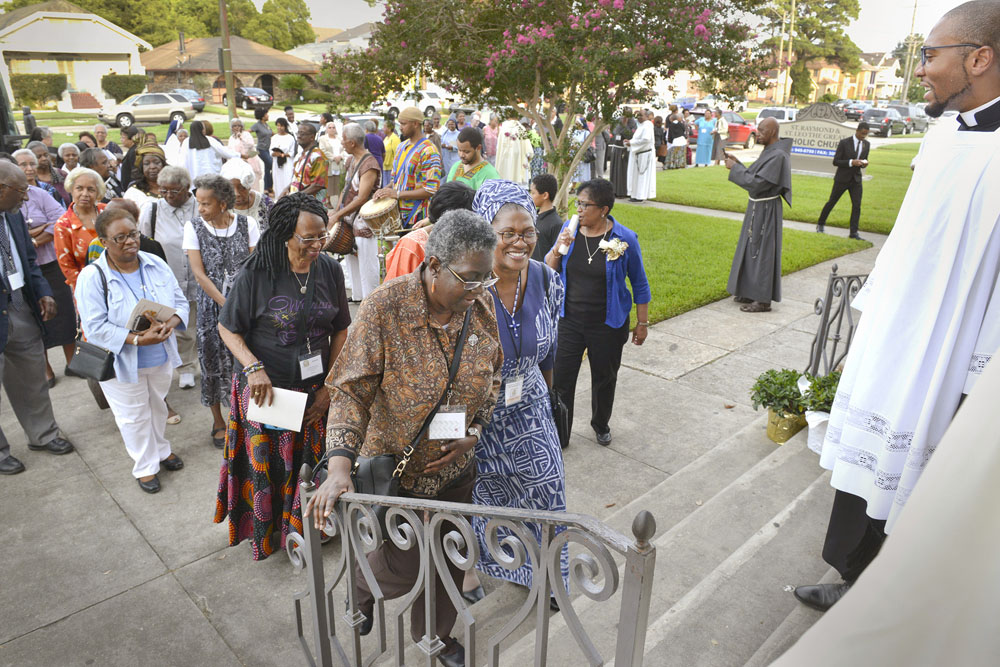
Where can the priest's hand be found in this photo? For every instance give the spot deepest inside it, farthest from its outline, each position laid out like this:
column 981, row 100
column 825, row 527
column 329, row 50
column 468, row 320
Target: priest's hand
column 731, row 161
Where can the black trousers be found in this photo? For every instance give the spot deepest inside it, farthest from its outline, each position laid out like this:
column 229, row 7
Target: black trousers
column 839, row 188
column 604, row 351
column 853, row 538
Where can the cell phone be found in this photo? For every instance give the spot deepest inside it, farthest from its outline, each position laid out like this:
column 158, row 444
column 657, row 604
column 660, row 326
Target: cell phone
column 142, row 323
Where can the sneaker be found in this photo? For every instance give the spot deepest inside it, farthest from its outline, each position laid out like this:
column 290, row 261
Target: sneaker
column 186, row 381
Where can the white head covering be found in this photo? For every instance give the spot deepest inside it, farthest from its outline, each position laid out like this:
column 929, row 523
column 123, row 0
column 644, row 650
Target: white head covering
column 239, row 169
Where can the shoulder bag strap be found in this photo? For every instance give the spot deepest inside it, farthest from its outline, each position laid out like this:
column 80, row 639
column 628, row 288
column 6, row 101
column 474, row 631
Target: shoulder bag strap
column 152, row 222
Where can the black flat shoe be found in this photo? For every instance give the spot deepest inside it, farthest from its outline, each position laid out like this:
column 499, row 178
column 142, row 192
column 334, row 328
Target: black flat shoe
column 51, row 381
column 11, row 466
column 454, row 657
column 474, row 596
column 856, row 237
column 554, row 606
column 821, row 596
column 172, row 463
column 57, row 446
column 604, row 439
column 820, row 229
column 152, row 486
column 219, row 443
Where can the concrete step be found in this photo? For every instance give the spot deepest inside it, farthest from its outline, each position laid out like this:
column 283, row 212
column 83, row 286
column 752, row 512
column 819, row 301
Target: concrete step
column 689, row 553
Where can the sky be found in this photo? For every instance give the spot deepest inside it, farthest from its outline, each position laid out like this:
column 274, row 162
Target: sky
column 880, row 25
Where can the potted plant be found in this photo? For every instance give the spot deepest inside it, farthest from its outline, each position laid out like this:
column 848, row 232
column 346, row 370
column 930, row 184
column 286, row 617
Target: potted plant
column 778, row 391
column 817, row 399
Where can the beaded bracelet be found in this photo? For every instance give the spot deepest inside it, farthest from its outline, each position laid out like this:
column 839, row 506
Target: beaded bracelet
column 253, row 368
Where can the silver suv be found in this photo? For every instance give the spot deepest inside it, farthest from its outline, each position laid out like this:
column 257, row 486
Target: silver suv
column 148, row 107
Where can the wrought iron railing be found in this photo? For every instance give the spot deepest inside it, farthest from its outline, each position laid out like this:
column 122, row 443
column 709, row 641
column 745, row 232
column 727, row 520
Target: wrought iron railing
column 439, row 533
column 837, row 323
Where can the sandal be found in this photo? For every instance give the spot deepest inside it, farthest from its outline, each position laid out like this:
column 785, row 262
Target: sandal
column 219, row 442
column 174, row 419
column 756, row 307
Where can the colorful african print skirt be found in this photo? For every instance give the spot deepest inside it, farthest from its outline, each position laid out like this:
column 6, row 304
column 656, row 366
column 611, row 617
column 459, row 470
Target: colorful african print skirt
column 259, row 480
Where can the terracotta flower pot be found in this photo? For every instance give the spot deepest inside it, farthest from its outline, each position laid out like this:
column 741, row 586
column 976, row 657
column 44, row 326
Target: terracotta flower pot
column 781, row 427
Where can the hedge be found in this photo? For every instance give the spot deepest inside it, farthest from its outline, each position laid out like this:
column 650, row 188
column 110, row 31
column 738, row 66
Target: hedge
column 34, row 90
column 314, row 95
column 120, row 86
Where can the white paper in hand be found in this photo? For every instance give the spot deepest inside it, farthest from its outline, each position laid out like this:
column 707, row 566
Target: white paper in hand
column 285, row 411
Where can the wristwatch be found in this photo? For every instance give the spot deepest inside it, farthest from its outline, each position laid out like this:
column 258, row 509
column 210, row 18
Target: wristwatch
column 475, row 430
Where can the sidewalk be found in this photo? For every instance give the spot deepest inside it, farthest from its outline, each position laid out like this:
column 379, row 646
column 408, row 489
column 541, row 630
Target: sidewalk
column 98, row 572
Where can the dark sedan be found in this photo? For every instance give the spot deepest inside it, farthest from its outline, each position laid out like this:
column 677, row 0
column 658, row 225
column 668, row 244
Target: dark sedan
column 249, row 98
column 192, row 96
column 856, row 110
column 884, row 122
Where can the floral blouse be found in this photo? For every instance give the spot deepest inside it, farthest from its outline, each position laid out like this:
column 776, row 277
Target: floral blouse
column 393, row 369
column 72, row 241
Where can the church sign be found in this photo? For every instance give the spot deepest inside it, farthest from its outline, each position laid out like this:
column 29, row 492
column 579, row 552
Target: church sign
column 815, row 135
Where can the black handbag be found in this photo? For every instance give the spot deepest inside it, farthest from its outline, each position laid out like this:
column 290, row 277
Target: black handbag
column 589, row 155
column 560, row 414
column 380, row 475
column 93, row 361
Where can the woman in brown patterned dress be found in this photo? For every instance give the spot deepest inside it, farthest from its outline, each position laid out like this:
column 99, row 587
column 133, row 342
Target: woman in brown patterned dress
column 393, row 372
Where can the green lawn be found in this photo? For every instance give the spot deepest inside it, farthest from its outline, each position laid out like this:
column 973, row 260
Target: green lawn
column 883, row 194
column 688, row 257
column 159, row 130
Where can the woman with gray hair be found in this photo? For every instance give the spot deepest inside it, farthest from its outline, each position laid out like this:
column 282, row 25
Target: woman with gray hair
column 363, row 173
column 70, row 155
column 243, row 143
column 216, row 244
column 416, row 325
column 249, row 202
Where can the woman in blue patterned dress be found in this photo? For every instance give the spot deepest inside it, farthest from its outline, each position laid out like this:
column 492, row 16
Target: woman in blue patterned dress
column 519, row 460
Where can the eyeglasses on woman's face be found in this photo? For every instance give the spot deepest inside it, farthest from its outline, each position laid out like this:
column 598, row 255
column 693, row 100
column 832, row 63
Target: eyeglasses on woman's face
column 470, row 285
column 313, row 240
column 508, row 237
column 122, row 239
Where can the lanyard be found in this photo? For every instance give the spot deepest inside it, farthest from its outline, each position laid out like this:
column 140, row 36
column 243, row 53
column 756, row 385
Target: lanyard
column 124, row 280
column 514, row 325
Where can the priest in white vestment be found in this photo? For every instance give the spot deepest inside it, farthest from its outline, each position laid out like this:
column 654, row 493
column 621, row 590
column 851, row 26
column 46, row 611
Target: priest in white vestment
column 930, row 308
column 513, row 152
column 641, row 160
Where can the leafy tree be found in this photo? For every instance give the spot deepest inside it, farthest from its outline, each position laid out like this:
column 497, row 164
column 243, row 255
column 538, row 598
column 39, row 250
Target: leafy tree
column 526, row 57
column 819, row 34
column 281, row 26
column 901, row 52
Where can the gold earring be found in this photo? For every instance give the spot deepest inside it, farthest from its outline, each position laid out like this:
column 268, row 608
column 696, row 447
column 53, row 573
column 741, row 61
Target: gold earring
column 433, row 285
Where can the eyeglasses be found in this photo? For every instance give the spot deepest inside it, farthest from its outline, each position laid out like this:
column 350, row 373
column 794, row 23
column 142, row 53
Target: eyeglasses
column 583, row 205
column 318, row 239
column 470, row 285
column 171, row 193
column 508, row 238
column 21, row 191
column 925, row 49
column 121, row 239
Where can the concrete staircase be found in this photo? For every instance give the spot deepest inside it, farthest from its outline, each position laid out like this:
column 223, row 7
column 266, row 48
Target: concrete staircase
column 83, row 101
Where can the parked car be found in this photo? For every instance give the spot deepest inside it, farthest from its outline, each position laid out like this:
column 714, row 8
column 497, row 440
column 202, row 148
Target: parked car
column 192, row 96
column 250, row 98
column 147, row 107
column 843, row 104
column 742, row 132
column 685, row 103
column 884, row 122
column 713, row 102
column 856, row 110
column 428, row 101
column 916, row 119
column 780, row 114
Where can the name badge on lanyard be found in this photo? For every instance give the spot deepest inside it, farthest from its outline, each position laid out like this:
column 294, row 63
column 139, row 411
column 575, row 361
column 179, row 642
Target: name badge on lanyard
column 448, row 423
column 310, row 363
column 512, row 390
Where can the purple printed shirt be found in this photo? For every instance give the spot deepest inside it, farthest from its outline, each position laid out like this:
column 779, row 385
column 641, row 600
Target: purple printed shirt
column 42, row 209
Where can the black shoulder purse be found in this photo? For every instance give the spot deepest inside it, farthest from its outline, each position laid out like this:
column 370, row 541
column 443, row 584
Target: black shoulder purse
column 380, row 475
column 560, row 412
column 89, row 360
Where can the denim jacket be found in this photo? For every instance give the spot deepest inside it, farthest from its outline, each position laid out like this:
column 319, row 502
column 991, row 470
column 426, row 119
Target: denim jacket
column 629, row 265
column 105, row 325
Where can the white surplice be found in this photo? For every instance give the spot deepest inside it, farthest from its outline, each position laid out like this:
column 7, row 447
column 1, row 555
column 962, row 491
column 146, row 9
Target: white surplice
column 642, row 163
column 513, row 152
column 924, row 308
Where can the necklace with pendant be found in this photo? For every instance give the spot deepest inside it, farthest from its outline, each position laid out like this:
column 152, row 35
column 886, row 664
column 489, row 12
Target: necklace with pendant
column 302, row 286
column 586, row 241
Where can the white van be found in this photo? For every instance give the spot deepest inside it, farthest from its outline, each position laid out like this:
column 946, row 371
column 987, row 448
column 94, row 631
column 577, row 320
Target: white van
column 780, row 114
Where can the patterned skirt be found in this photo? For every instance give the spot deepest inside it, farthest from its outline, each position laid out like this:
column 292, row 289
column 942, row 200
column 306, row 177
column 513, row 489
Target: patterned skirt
column 537, row 161
column 677, row 157
column 259, row 480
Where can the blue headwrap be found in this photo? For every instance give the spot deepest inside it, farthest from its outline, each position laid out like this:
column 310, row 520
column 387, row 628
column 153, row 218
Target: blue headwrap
column 494, row 193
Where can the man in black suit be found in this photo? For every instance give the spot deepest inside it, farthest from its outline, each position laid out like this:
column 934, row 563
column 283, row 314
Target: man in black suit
column 851, row 156
column 25, row 303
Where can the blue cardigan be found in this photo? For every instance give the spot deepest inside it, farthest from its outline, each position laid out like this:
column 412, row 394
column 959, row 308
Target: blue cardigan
column 619, row 299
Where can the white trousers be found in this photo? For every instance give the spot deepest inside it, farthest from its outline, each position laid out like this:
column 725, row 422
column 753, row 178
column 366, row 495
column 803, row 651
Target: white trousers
column 363, row 269
column 141, row 415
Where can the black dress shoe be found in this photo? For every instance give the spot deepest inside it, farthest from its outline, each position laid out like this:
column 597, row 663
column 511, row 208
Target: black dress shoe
column 51, row 381
column 474, row 596
column 604, row 439
column 821, row 596
column 856, row 237
column 553, row 605
column 152, row 486
column 11, row 466
column 454, row 656
column 821, row 229
column 57, row 446
column 173, row 463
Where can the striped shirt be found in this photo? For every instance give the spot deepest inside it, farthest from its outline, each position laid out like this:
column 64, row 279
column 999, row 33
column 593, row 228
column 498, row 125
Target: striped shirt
column 413, row 167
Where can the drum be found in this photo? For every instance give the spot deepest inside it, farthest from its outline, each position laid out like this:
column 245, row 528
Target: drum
column 341, row 239
column 382, row 216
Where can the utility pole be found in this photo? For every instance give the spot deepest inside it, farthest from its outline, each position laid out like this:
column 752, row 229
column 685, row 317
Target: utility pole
column 791, row 35
column 909, row 56
column 781, row 65
column 227, row 59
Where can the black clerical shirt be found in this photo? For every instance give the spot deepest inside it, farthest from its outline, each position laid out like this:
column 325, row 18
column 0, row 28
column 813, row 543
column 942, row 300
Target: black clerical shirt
column 987, row 120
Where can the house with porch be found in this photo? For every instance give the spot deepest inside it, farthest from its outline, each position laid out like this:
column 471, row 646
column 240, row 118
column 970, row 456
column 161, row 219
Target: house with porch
column 196, row 61
column 58, row 37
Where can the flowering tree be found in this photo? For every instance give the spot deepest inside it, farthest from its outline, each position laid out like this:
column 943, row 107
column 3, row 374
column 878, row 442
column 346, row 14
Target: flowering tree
column 528, row 57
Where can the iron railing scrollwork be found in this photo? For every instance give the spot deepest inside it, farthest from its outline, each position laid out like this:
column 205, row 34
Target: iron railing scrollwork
column 837, row 323
column 441, row 533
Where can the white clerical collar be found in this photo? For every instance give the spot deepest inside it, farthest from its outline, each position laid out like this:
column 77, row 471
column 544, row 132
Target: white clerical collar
column 969, row 117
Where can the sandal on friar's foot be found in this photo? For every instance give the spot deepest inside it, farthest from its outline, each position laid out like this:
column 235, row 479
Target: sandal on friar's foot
column 756, row 307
